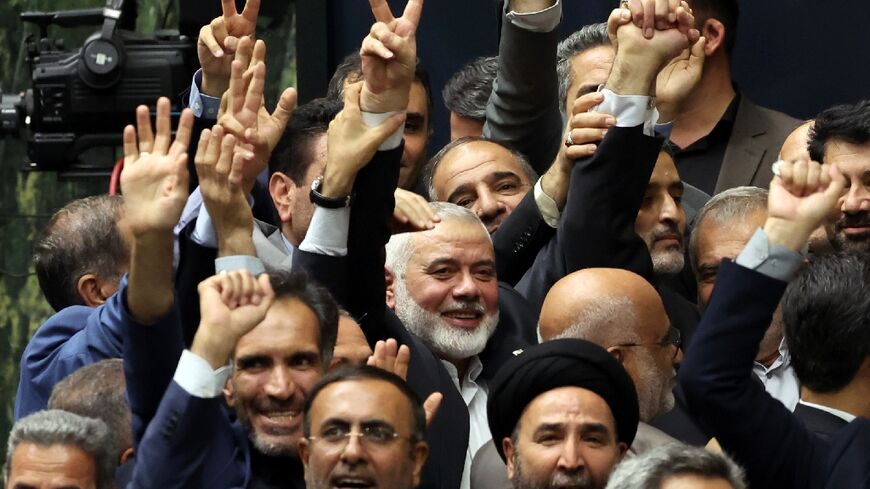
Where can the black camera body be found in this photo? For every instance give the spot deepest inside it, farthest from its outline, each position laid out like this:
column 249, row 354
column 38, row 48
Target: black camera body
column 82, row 99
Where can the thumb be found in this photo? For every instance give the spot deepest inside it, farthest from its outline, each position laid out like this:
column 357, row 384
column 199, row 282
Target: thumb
column 697, row 52
column 431, row 405
column 285, row 108
column 838, row 182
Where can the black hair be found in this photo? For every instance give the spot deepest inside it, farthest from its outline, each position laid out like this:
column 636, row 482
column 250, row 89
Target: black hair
column 292, row 155
column 365, row 372
column 467, row 91
column 83, row 237
column 847, row 123
column 298, row 285
column 826, row 311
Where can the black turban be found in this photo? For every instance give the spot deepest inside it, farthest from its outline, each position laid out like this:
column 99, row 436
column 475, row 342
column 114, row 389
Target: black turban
column 554, row 364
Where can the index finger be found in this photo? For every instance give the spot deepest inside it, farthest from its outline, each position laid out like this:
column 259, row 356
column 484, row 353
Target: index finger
column 381, row 11
column 413, row 11
column 229, row 8
column 251, row 10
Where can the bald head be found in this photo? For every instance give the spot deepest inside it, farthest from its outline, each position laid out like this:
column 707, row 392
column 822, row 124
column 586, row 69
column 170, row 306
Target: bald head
column 623, row 313
column 602, row 305
column 796, row 145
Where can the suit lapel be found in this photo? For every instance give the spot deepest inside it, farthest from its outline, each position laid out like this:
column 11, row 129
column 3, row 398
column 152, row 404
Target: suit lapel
column 746, row 148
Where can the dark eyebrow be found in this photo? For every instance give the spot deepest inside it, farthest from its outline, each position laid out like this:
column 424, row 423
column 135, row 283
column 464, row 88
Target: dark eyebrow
column 245, row 360
column 441, row 261
column 492, row 177
column 549, row 427
column 466, row 187
column 707, row 268
column 594, row 428
column 415, row 117
column 487, row 262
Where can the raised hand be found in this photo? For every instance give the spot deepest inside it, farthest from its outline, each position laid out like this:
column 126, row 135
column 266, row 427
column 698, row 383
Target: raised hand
column 412, row 213
column 678, row 78
column 218, row 41
column 652, row 15
column 220, row 170
column 801, row 197
column 244, row 114
column 389, row 57
column 389, row 356
column 232, row 304
column 154, row 179
column 586, row 128
column 351, row 143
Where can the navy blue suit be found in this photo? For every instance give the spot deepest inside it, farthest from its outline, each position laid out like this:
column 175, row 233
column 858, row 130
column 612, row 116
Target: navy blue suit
column 775, row 447
column 69, row 340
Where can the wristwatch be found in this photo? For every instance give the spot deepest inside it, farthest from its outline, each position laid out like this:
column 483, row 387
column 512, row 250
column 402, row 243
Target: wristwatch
column 327, row 202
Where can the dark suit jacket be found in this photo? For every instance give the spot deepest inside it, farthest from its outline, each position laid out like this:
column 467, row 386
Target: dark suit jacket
column 756, row 138
column 597, row 224
column 822, row 423
column 357, row 281
column 523, row 110
column 773, row 445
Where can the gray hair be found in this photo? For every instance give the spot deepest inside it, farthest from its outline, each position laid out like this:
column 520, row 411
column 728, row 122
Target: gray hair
column 430, row 168
column 603, row 322
column 399, row 248
column 56, row 427
column 650, row 470
column 734, row 203
column 98, row 391
column 588, row 37
column 467, row 91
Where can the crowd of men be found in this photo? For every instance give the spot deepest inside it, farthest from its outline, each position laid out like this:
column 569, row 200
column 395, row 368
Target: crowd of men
column 620, row 273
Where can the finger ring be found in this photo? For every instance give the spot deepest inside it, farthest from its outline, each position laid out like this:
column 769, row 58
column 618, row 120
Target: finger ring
column 624, row 3
column 568, row 140
column 775, row 167
column 143, row 154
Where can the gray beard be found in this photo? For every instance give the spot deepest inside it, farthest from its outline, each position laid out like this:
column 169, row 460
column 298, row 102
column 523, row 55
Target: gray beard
column 578, row 480
column 447, row 341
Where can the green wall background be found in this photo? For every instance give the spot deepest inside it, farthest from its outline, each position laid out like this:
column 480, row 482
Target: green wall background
column 27, row 199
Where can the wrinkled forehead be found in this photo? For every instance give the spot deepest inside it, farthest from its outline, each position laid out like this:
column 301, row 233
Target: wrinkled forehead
column 453, row 237
column 474, row 162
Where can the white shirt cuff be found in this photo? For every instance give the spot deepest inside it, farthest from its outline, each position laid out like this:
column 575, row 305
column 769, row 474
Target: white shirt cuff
column 239, row 262
column 203, row 106
column 777, row 262
column 197, row 378
column 541, row 21
column 547, row 206
column 372, row 119
column 630, row 110
column 327, row 233
column 204, row 233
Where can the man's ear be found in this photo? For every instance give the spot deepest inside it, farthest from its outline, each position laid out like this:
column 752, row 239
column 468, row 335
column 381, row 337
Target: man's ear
column 714, row 32
column 617, row 353
column 623, row 449
column 303, row 451
column 93, row 290
column 421, row 453
column 125, row 456
column 229, row 393
column 280, row 187
column 507, row 446
column 390, row 280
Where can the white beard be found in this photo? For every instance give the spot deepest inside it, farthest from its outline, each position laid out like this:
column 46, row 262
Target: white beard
column 446, row 340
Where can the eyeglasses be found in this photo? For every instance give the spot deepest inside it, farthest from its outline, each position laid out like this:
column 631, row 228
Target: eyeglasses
column 375, row 435
column 672, row 339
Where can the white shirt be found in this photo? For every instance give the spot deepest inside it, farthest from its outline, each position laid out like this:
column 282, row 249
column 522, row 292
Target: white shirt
column 474, row 394
column 779, row 379
column 836, row 412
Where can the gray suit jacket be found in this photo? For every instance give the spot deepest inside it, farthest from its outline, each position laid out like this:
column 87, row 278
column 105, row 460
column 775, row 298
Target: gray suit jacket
column 754, row 145
column 523, row 110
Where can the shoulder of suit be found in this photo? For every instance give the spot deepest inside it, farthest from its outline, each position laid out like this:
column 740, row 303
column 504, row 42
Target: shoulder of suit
column 774, row 120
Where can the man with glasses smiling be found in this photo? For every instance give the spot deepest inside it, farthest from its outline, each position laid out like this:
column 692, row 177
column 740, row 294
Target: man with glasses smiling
column 363, row 429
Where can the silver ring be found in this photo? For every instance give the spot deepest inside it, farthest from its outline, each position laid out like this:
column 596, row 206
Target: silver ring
column 775, row 167
column 568, row 140
column 143, row 154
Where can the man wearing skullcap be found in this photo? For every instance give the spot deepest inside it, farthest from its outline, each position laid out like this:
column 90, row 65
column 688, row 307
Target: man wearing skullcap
column 562, row 413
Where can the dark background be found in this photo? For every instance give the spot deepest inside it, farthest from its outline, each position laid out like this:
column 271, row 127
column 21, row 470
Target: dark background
column 797, row 56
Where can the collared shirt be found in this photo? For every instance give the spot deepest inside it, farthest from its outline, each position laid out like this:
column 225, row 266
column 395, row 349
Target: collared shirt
column 780, row 380
column 836, row 412
column 474, row 393
column 700, row 162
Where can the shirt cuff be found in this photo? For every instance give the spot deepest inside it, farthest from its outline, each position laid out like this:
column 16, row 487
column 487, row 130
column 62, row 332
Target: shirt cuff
column 327, row 233
column 630, row 110
column 547, row 206
column 203, row 233
column 774, row 261
column 372, row 119
column 541, row 21
column 197, row 378
column 239, row 262
column 203, row 106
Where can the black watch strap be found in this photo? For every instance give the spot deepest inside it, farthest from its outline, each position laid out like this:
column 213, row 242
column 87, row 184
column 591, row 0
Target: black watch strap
column 321, row 200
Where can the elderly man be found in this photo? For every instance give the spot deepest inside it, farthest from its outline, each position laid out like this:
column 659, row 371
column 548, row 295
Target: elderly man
column 562, row 413
column 678, row 466
column 363, row 427
column 59, row 449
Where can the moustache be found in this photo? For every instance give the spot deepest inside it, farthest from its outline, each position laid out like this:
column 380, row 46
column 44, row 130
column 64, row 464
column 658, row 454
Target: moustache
column 861, row 219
